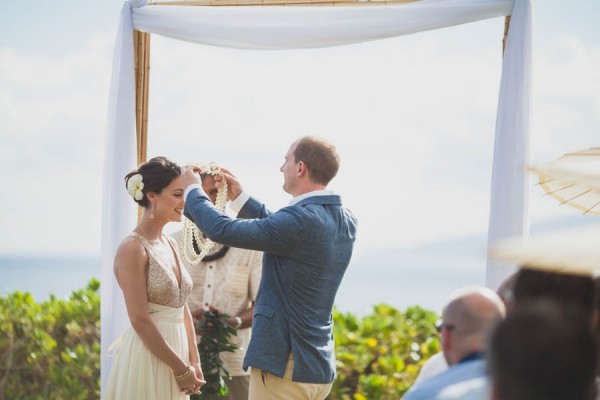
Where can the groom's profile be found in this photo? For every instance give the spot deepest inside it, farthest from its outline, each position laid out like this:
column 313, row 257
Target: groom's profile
column 307, row 248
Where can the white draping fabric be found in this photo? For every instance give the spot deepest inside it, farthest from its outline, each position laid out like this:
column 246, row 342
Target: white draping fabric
column 510, row 180
column 118, row 209
column 306, row 27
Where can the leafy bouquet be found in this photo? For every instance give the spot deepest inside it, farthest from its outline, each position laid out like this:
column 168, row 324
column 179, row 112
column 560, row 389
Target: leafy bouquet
column 214, row 340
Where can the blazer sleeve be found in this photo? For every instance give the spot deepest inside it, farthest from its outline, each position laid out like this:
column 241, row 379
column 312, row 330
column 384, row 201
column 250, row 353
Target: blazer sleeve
column 278, row 233
column 254, row 209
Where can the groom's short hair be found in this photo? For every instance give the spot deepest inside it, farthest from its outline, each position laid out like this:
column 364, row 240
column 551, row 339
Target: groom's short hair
column 320, row 156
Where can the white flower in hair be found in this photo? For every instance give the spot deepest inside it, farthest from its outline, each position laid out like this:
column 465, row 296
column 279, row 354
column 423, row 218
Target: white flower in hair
column 135, row 185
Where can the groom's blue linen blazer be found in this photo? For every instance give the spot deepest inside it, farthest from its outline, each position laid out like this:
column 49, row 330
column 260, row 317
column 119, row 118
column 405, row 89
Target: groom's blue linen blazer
column 307, row 248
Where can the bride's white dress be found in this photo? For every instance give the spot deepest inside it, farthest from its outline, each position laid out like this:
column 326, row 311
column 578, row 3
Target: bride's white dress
column 136, row 372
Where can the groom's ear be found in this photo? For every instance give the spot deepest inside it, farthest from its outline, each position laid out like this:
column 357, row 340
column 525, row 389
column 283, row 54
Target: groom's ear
column 302, row 168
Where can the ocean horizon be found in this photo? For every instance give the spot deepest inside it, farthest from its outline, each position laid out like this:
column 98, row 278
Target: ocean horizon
column 398, row 277
column 424, row 275
column 45, row 275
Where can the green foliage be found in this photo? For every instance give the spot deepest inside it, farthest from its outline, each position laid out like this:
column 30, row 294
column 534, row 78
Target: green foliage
column 50, row 350
column 380, row 356
column 215, row 339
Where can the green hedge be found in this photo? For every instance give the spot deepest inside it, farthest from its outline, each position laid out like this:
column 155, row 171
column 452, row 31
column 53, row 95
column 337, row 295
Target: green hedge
column 380, row 355
column 51, row 350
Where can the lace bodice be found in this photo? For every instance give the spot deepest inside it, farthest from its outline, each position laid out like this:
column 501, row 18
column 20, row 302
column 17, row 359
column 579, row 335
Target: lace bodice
column 161, row 282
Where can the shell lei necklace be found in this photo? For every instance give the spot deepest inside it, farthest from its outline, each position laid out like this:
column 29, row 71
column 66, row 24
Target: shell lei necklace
column 191, row 231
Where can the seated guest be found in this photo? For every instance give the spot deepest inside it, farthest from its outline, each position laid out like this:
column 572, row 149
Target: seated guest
column 466, row 322
column 596, row 331
column 571, row 292
column 575, row 291
column 539, row 352
column 437, row 363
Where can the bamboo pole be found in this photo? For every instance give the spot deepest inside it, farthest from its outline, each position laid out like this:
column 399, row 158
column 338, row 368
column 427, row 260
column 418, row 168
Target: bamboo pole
column 141, row 43
column 506, row 26
column 141, row 49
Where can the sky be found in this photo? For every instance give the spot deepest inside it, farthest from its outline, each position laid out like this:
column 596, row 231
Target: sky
column 413, row 119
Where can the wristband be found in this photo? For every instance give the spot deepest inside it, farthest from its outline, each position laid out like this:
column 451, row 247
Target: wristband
column 238, row 322
column 184, row 375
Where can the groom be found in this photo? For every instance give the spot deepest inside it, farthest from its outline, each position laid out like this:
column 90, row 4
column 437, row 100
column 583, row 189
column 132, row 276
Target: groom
column 307, row 247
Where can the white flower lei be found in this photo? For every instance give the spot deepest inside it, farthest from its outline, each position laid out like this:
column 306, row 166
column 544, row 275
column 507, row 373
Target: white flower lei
column 191, row 231
column 135, row 185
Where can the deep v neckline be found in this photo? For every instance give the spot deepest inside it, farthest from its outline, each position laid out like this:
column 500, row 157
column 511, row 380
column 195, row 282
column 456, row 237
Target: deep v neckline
column 180, row 280
column 169, row 270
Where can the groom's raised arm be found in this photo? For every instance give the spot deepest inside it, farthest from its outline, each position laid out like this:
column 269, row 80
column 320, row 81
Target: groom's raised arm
column 277, row 233
column 250, row 208
column 245, row 206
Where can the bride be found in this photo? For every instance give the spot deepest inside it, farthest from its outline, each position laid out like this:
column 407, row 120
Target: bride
column 158, row 358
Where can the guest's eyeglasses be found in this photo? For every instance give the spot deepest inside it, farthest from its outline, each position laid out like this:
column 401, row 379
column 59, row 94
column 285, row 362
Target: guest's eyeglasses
column 440, row 325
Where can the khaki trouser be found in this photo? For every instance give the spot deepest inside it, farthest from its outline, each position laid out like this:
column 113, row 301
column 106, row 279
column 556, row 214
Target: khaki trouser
column 265, row 386
column 238, row 387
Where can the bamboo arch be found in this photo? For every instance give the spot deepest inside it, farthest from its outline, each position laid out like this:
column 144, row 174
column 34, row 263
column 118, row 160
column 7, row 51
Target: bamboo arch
column 141, row 43
column 512, row 123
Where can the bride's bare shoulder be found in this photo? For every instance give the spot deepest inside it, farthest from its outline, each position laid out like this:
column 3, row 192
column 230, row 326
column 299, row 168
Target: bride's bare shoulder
column 131, row 244
column 131, row 252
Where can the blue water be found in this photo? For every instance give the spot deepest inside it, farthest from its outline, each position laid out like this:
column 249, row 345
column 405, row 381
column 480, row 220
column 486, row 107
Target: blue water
column 399, row 277
column 424, row 275
column 42, row 276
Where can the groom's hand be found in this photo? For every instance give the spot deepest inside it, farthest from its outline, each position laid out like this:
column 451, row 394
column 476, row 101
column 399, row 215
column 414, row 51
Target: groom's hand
column 234, row 188
column 190, row 175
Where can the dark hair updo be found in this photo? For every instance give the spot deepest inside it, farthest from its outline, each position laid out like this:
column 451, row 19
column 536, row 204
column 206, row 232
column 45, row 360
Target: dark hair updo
column 157, row 174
